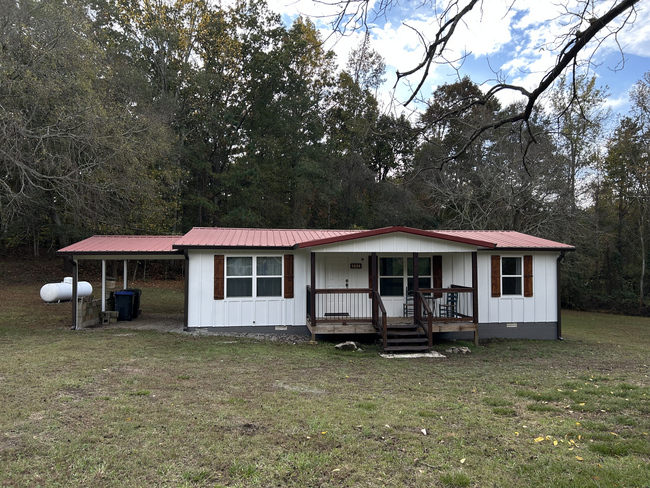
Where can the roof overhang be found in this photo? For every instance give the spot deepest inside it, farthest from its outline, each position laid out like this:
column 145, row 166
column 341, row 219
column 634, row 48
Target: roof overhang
column 530, row 249
column 124, row 247
column 397, row 229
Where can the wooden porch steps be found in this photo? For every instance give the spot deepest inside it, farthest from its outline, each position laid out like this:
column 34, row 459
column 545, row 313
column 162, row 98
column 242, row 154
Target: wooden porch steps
column 405, row 337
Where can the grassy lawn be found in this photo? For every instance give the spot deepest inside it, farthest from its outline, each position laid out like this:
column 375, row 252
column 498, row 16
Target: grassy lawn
column 142, row 408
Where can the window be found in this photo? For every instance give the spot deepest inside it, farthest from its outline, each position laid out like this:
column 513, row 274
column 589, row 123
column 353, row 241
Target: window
column 242, row 273
column 424, row 272
column 269, row 276
column 239, row 277
column 511, row 275
column 391, row 277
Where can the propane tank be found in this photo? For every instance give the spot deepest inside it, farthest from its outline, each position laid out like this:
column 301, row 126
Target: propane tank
column 55, row 292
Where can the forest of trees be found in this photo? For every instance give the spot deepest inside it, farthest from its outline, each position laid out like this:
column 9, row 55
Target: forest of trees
column 153, row 117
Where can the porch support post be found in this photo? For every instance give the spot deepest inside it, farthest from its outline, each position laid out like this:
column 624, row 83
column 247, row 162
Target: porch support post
column 373, row 286
column 75, row 282
column 475, row 294
column 186, row 303
column 125, row 271
column 103, row 285
column 313, row 294
column 416, row 280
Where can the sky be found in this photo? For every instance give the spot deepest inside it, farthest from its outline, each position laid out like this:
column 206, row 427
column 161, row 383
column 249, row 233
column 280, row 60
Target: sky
column 516, row 40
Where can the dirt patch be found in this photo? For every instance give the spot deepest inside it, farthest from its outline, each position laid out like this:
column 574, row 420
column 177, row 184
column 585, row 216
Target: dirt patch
column 175, row 323
column 148, row 321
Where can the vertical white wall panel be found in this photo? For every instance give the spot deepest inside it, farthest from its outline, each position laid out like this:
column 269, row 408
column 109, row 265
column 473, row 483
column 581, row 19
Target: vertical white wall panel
column 541, row 307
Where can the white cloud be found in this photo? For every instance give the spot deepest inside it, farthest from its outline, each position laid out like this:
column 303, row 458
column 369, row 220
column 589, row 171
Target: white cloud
column 520, row 39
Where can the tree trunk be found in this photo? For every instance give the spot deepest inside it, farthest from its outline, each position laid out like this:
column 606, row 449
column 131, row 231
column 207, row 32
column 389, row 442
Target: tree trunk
column 643, row 257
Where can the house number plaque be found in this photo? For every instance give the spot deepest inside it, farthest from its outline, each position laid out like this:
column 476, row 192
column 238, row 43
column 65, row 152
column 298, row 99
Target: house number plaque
column 355, row 265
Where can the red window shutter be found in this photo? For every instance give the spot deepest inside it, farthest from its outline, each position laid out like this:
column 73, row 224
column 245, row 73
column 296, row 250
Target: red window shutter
column 528, row 276
column 496, row 276
column 288, row 276
column 436, row 271
column 218, row 277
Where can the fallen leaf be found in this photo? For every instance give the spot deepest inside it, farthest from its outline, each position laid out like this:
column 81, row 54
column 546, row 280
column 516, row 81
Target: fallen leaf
column 539, row 439
column 516, row 433
column 424, row 431
column 579, row 458
column 325, row 432
column 555, row 443
column 462, row 461
column 335, row 470
column 614, row 433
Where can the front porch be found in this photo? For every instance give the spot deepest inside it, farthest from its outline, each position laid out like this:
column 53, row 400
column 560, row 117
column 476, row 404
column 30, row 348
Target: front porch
column 424, row 310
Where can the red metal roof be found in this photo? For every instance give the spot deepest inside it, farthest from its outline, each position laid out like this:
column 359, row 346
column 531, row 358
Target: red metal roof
column 508, row 239
column 123, row 244
column 220, row 237
column 304, row 238
column 230, row 237
column 406, row 230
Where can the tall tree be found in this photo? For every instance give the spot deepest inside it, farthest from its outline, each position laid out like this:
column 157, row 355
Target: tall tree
column 74, row 157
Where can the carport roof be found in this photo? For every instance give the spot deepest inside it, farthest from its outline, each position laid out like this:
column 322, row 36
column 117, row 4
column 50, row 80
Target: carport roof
column 123, row 245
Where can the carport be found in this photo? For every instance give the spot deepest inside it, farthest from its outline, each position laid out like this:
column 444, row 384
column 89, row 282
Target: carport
column 120, row 248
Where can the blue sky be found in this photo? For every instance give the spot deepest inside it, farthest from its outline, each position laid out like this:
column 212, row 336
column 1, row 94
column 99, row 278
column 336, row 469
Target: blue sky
column 519, row 42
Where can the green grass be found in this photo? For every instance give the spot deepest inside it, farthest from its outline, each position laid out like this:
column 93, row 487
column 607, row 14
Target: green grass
column 102, row 408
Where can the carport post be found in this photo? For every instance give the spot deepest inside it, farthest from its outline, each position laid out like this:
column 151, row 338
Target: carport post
column 125, row 270
column 103, row 285
column 75, row 304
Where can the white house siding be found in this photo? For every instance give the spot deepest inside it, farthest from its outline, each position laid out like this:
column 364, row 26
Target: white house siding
column 205, row 311
column 395, row 243
column 541, row 307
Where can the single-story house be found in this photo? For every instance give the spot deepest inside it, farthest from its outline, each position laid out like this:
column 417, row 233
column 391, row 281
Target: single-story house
column 402, row 283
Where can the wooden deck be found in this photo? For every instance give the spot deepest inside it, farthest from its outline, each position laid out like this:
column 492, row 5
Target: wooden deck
column 365, row 327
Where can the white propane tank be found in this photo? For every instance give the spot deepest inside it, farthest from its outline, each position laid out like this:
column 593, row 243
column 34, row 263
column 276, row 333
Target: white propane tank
column 53, row 292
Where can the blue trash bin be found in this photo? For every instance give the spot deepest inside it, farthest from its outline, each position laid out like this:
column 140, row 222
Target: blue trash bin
column 124, row 304
column 137, row 293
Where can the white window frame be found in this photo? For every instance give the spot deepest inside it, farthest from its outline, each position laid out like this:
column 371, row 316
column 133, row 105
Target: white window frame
column 253, row 277
column 520, row 276
column 280, row 276
column 405, row 273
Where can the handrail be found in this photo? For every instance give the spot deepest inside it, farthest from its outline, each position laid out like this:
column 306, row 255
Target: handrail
column 429, row 314
column 324, row 291
column 384, row 318
column 455, row 289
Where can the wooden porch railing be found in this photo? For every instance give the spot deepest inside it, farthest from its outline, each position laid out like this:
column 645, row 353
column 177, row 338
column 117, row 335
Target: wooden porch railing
column 339, row 305
column 343, row 305
column 380, row 318
column 445, row 309
column 425, row 310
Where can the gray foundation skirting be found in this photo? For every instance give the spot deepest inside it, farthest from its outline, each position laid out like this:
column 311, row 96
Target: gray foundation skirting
column 256, row 329
column 520, row 330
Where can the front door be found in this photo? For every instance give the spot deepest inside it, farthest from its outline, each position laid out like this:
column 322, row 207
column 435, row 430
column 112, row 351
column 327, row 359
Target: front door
column 337, row 275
